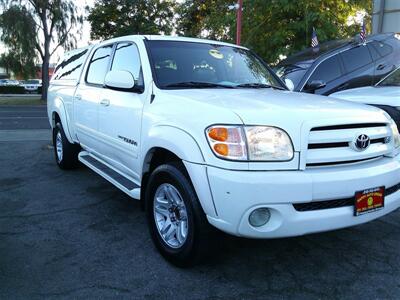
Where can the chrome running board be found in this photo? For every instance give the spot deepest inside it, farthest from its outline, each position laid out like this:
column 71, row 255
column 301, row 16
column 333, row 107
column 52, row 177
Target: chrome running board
column 121, row 181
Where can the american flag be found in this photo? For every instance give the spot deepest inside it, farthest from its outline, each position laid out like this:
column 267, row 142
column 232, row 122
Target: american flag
column 314, row 41
column 363, row 33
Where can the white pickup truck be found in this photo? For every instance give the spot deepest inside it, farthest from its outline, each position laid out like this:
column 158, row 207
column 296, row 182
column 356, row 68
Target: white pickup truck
column 204, row 133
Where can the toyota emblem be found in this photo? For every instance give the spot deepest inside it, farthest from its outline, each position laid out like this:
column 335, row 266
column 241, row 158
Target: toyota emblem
column 362, row 142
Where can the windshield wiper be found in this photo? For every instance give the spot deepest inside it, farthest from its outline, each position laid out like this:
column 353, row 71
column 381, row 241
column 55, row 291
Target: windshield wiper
column 198, row 85
column 257, row 85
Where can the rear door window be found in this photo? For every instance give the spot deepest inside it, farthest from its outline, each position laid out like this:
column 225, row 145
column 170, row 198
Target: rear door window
column 70, row 67
column 328, row 70
column 373, row 51
column 99, row 65
column 382, row 48
column 356, row 58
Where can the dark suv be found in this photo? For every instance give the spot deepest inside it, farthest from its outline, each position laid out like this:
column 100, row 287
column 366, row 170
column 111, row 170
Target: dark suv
column 342, row 64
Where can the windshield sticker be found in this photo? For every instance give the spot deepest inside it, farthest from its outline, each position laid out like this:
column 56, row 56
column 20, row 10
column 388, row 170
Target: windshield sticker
column 216, row 54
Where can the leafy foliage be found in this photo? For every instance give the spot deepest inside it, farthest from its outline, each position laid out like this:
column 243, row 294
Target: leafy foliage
column 18, row 33
column 207, row 18
column 271, row 27
column 113, row 18
column 19, row 64
column 44, row 26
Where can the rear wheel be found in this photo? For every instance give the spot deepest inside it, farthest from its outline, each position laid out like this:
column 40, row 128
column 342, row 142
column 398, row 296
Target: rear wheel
column 177, row 223
column 66, row 153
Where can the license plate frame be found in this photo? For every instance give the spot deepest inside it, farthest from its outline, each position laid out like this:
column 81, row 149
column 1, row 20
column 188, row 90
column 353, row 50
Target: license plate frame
column 369, row 201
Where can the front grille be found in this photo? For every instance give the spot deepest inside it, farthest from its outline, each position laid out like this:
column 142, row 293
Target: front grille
column 341, row 145
column 318, row 205
column 333, row 145
column 348, row 126
column 323, row 204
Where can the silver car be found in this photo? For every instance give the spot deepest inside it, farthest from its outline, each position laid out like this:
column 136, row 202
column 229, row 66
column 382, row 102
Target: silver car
column 32, row 85
column 385, row 95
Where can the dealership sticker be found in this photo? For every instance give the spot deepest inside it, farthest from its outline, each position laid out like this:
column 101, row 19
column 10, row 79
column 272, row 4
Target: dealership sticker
column 216, row 54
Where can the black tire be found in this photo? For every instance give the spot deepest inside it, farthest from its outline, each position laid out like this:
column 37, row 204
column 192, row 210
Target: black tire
column 200, row 238
column 69, row 157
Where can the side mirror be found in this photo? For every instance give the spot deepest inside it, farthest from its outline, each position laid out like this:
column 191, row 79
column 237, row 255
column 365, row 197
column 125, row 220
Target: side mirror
column 315, row 85
column 289, row 83
column 119, row 80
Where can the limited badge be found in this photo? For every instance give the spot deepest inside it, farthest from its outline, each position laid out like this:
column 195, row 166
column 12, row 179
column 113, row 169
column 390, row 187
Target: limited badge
column 216, row 54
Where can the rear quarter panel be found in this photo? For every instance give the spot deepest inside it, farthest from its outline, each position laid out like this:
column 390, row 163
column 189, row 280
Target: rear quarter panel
column 60, row 101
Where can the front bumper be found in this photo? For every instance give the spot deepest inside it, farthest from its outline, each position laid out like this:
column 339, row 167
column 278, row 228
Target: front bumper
column 237, row 193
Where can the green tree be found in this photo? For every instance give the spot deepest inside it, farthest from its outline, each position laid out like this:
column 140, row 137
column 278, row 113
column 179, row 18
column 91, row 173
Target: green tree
column 207, row 18
column 113, row 18
column 19, row 35
column 49, row 25
column 22, row 66
column 272, row 27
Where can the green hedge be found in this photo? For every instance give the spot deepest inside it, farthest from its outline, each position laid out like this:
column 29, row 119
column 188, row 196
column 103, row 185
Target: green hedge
column 12, row 89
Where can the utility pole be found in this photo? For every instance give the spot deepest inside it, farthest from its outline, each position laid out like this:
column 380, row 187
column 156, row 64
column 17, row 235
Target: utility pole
column 239, row 22
column 239, row 8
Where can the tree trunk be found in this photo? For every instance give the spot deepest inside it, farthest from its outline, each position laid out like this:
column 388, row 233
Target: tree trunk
column 45, row 68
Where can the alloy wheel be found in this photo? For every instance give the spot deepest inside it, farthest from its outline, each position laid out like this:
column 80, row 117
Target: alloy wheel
column 170, row 215
column 59, row 146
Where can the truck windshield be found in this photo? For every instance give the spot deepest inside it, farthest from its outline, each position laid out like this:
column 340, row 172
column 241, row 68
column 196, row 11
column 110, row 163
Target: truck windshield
column 186, row 65
column 392, row 80
column 293, row 72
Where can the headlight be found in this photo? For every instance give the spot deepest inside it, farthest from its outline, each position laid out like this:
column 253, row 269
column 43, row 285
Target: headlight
column 395, row 133
column 268, row 143
column 250, row 143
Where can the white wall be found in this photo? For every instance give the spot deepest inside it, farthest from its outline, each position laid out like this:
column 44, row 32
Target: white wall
column 2, row 71
column 387, row 20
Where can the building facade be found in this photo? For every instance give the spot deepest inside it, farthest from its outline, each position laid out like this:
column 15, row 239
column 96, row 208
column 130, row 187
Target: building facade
column 386, row 16
column 3, row 73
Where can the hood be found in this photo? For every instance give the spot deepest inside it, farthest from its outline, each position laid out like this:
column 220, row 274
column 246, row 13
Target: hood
column 290, row 111
column 379, row 95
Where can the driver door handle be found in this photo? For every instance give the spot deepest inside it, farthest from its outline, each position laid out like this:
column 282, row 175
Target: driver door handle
column 381, row 67
column 78, row 97
column 105, row 102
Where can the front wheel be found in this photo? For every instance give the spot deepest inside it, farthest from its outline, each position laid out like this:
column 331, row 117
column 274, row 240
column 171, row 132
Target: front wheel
column 177, row 223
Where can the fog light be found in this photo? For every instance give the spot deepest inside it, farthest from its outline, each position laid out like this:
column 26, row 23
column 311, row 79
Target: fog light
column 259, row 217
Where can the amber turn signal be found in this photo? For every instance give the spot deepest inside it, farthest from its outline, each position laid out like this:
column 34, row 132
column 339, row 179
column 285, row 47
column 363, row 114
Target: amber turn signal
column 227, row 141
column 218, row 134
column 221, row 149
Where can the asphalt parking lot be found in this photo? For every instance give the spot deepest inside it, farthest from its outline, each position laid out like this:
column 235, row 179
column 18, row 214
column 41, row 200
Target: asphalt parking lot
column 73, row 235
column 23, row 117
